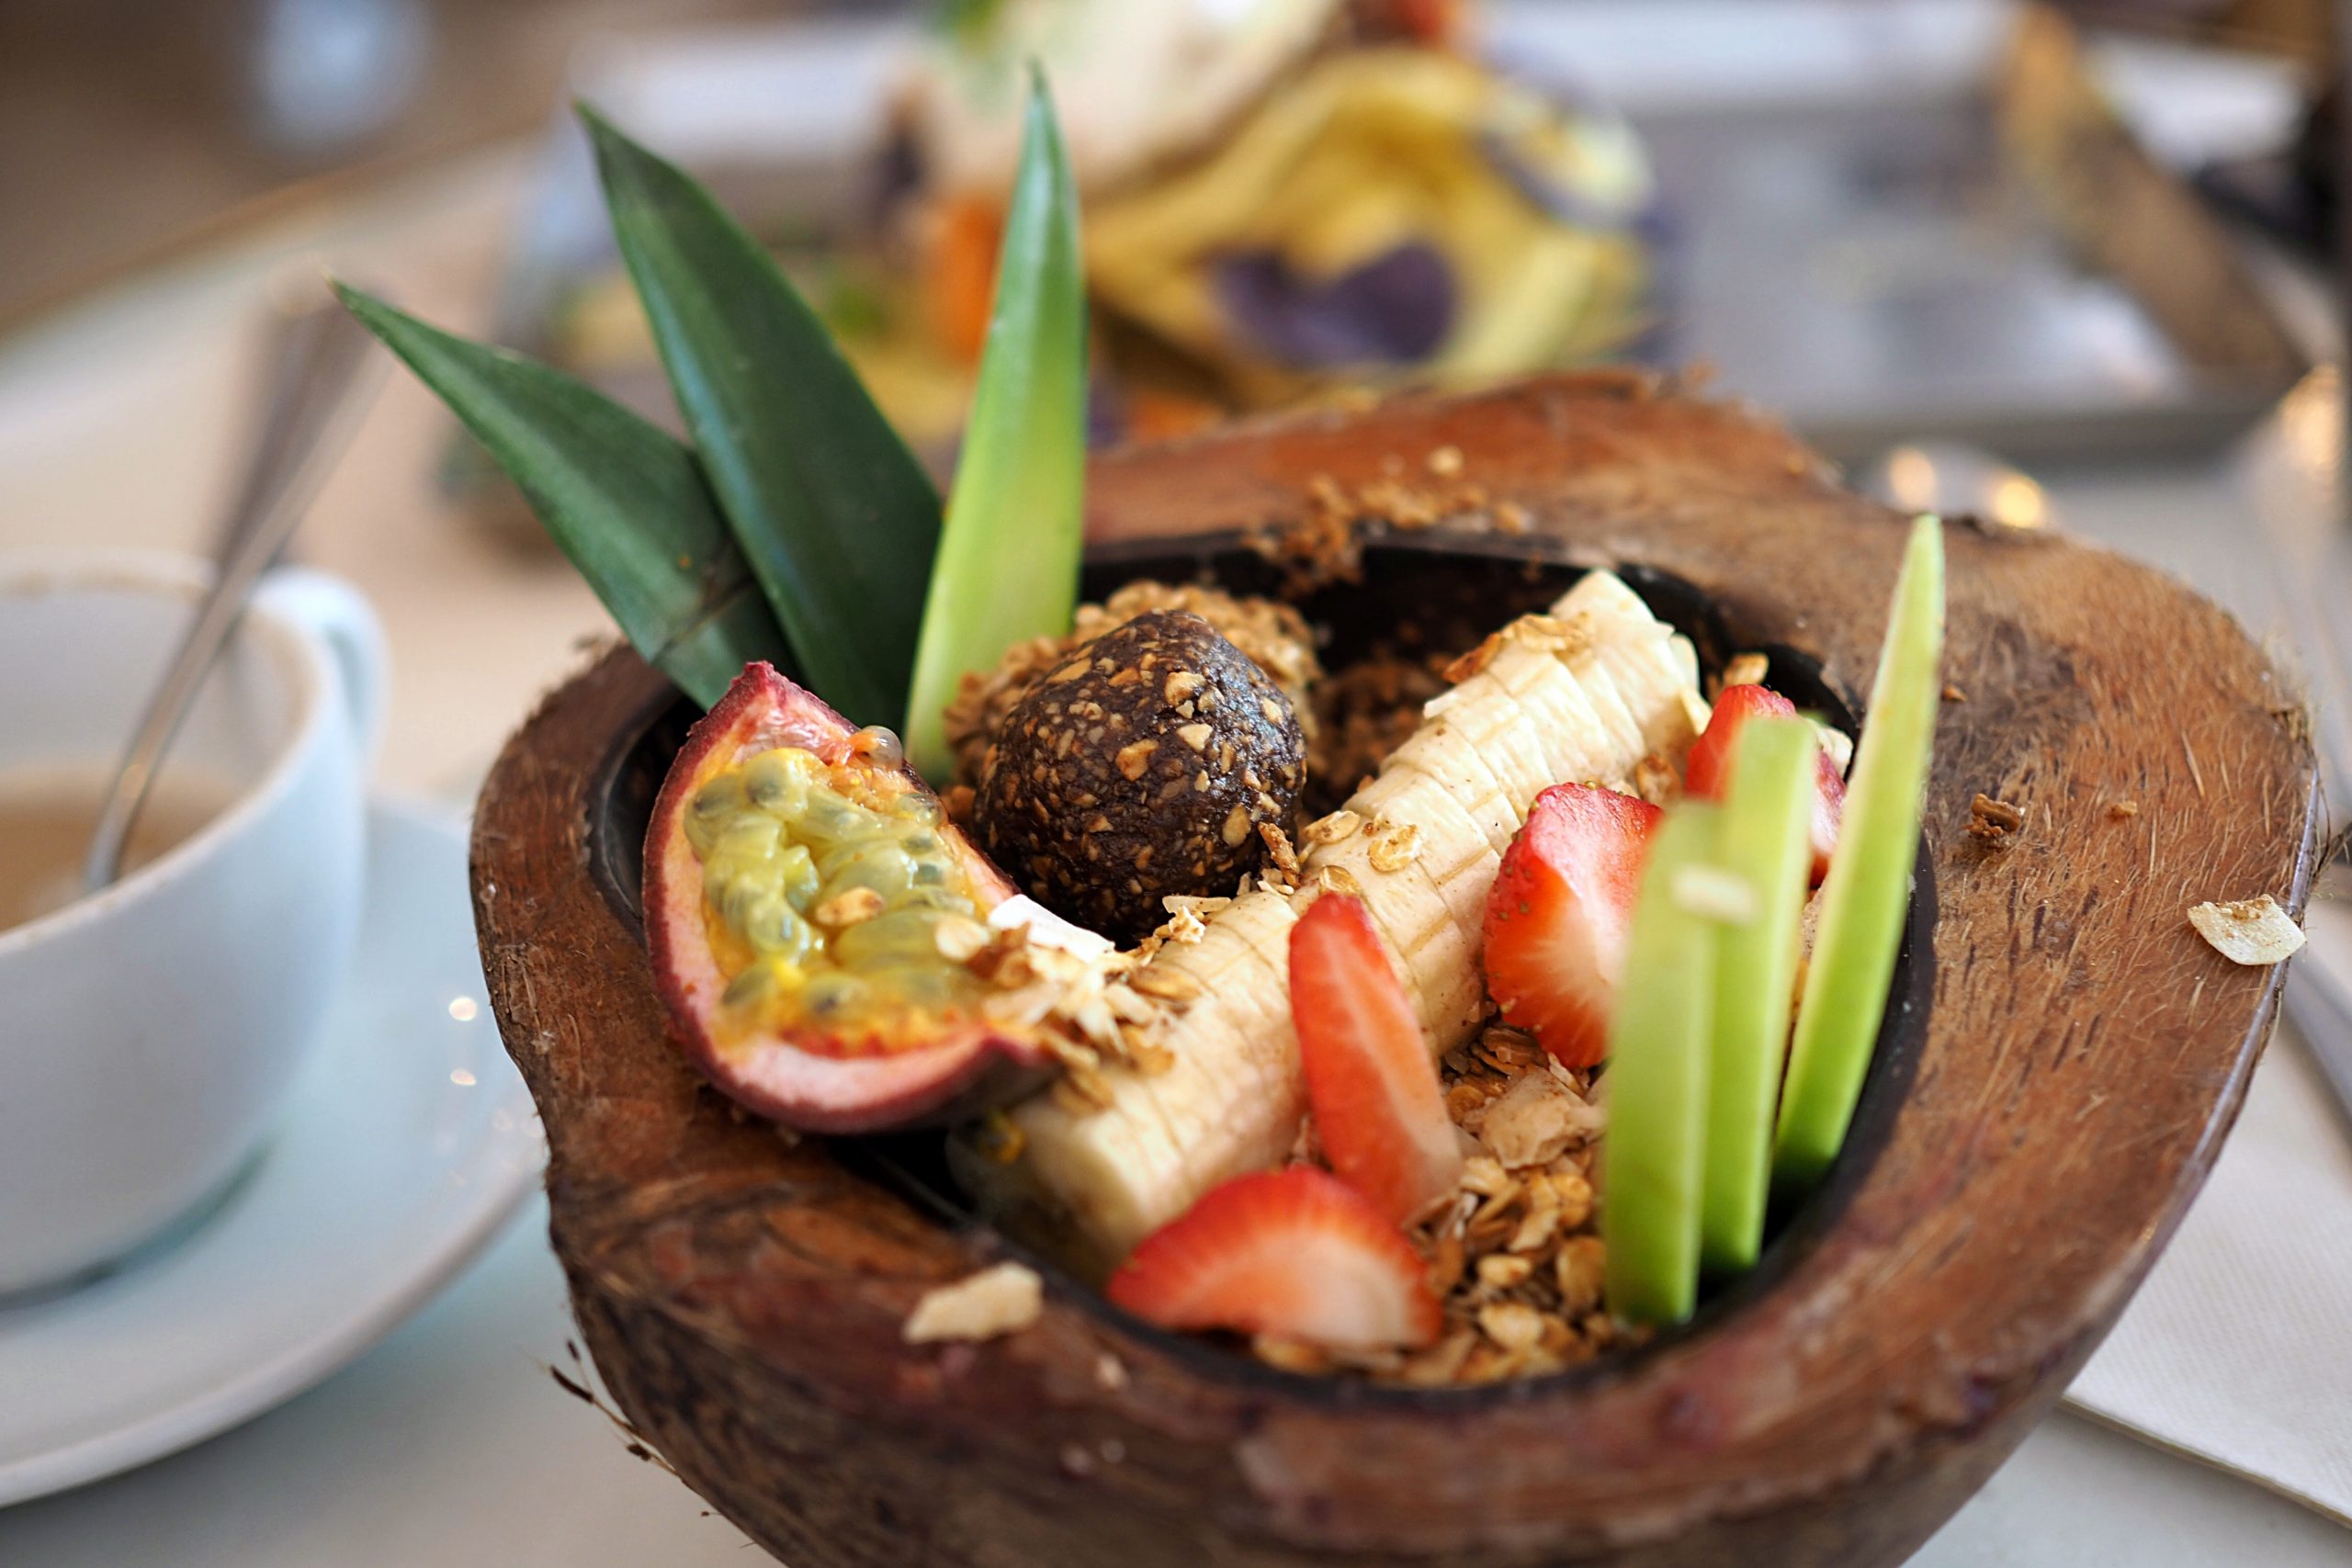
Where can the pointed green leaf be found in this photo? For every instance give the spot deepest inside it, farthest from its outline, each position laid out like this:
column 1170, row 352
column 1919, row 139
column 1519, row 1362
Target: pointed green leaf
column 1008, row 557
column 838, row 521
column 620, row 497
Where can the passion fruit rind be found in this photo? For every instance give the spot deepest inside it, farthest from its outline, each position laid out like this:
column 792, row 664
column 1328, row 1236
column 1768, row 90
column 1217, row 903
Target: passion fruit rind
column 811, row 915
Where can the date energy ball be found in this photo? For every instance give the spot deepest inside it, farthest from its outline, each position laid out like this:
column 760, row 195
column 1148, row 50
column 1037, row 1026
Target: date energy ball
column 1140, row 765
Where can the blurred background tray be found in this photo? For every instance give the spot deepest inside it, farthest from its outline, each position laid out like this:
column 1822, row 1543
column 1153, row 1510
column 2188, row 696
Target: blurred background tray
column 1922, row 219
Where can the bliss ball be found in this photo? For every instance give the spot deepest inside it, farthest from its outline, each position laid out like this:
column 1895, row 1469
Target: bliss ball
column 1140, row 765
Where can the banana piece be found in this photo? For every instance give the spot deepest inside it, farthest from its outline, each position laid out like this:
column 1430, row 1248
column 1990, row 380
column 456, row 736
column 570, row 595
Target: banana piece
column 1581, row 694
column 1444, row 754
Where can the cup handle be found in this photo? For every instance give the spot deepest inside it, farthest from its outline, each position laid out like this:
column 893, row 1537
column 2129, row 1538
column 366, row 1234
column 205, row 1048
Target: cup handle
column 341, row 615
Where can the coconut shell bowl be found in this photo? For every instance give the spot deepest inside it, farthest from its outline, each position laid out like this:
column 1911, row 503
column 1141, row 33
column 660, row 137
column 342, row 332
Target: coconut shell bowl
column 2063, row 1058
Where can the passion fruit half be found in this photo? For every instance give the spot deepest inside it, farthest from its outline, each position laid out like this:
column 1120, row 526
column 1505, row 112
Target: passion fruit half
column 811, row 912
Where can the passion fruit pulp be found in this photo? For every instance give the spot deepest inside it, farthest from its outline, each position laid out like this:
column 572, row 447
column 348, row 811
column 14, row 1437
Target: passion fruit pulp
column 810, row 910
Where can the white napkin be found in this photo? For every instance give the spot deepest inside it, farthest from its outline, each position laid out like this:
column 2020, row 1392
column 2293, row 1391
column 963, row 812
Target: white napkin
column 2238, row 1350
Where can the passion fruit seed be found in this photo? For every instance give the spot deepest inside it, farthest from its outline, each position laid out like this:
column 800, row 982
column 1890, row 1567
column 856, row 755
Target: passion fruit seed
column 797, row 868
column 830, row 892
column 831, row 996
column 751, row 988
column 752, row 836
column 773, row 785
column 717, row 804
column 880, row 747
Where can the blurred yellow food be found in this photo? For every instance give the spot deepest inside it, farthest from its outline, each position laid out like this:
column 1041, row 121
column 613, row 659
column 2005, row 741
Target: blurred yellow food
column 1531, row 210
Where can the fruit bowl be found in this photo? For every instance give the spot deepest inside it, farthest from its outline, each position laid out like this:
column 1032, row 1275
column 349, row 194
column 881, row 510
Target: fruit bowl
column 2063, row 1059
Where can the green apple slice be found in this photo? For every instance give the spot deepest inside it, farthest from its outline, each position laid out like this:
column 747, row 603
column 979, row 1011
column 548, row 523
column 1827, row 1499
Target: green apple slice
column 1653, row 1159
column 1867, row 895
column 1766, row 840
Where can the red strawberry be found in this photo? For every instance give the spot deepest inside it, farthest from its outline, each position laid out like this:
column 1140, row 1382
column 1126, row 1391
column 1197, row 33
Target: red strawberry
column 1295, row 1252
column 1556, row 920
column 1370, row 1077
column 1708, row 771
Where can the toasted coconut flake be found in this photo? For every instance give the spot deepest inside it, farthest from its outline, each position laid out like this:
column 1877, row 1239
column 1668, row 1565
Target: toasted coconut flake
column 1836, row 745
column 1537, row 1120
column 1004, row 1299
column 1188, row 917
column 1485, row 1177
column 1502, row 1271
column 1541, row 1222
column 1279, row 850
column 1565, row 636
column 1576, row 1272
column 2252, row 931
column 1331, row 829
column 1396, row 845
column 1655, row 781
column 1469, row 664
column 1513, row 1325
column 1166, row 984
column 1746, row 670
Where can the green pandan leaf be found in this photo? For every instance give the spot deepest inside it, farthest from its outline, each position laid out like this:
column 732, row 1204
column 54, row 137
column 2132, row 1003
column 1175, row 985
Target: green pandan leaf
column 1009, row 558
column 1866, row 898
column 621, row 497
column 838, row 521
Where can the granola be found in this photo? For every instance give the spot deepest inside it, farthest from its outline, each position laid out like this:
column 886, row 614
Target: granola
column 1515, row 1256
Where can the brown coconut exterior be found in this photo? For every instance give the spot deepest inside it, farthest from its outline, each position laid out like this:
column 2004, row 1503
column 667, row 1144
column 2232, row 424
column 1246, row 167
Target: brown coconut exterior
column 2081, row 1060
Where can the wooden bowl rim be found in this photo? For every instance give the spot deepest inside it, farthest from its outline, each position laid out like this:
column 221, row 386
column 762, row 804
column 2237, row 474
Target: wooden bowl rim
column 1894, row 1060
column 1800, row 1414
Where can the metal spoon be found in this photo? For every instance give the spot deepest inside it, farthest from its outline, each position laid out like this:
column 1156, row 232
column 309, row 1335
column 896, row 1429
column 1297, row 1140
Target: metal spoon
column 317, row 354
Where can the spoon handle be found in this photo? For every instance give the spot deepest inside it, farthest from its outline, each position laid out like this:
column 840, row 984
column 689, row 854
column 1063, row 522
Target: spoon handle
column 316, row 359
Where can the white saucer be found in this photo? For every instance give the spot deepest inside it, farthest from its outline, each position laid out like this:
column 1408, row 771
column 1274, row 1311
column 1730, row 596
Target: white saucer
column 410, row 1140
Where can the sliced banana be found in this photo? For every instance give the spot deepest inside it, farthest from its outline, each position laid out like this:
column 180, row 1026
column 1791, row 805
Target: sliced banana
column 1499, row 729
column 1425, row 880
column 1230, row 1100
column 1442, row 753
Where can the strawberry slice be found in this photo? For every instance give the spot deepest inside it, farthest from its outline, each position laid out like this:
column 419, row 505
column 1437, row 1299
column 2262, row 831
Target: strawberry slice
column 1370, row 1077
column 1557, row 918
column 1295, row 1252
column 1708, row 775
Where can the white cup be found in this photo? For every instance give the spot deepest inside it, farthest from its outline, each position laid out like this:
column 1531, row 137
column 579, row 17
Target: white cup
column 149, row 1034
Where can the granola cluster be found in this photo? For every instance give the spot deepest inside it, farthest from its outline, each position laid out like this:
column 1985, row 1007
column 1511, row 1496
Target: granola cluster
column 1515, row 1255
column 1088, row 1011
column 1325, row 544
column 1362, row 713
